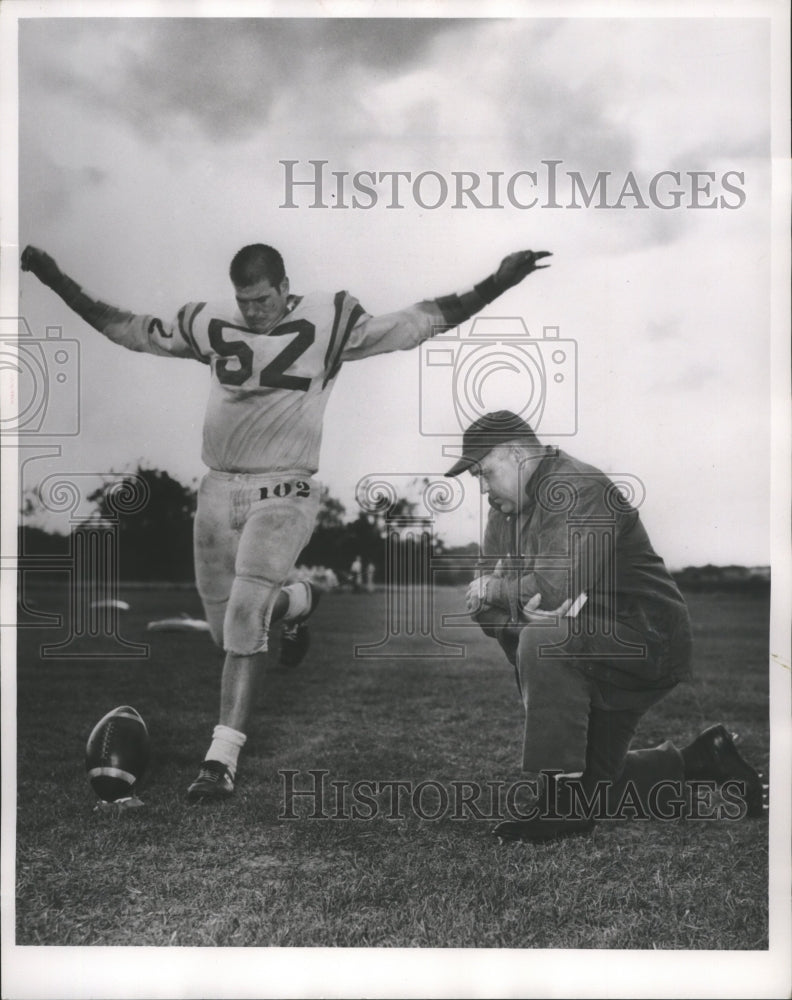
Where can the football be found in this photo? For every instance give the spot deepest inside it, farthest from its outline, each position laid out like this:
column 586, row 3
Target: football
column 117, row 753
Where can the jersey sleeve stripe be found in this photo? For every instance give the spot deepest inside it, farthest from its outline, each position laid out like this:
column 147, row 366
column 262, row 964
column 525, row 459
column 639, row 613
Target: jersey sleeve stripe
column 186, row 319
column 334, row 351
column 354, row 316
column 338, row 305
column 180, row 324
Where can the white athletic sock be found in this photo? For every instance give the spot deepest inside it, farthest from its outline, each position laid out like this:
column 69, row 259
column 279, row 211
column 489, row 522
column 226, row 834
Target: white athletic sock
column 299, row 595
column 226, row 744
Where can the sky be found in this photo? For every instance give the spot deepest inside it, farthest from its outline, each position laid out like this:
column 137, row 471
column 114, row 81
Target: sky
column 151, row 149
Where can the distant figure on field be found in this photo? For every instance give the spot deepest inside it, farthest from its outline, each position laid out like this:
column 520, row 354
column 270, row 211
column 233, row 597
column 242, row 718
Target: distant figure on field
column 356, row 574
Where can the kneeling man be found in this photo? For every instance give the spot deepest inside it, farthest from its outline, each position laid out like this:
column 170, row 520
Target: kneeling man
column 596, row 629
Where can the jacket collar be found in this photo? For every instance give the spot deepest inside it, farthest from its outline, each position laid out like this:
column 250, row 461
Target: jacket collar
column 543, row 468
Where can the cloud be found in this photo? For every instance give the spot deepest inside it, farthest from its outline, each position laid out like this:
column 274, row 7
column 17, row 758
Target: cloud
column 662, row 330
column 223, row 75
column 688, row 379
column 51, row 187
column 419, row 79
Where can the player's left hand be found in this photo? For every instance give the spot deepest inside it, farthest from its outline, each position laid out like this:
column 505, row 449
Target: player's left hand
column 519, row 265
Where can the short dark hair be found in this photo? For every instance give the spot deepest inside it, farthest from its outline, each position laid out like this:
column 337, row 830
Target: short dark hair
column 255, row 262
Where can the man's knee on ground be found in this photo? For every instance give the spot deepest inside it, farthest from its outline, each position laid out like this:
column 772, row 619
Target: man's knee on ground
column 538, row 639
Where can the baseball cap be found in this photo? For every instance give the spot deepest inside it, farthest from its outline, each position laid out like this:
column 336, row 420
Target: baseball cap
column 486, row 433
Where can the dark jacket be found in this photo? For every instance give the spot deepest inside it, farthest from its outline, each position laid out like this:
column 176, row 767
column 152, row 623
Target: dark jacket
column 577, row 532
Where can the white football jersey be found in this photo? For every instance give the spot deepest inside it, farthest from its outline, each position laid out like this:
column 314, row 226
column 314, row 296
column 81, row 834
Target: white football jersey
column 269, row 391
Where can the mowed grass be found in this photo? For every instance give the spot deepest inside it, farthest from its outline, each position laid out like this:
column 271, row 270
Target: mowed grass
column 240, row 875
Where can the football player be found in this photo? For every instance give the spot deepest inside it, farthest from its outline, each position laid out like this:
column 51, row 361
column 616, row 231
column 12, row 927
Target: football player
column 274, row 357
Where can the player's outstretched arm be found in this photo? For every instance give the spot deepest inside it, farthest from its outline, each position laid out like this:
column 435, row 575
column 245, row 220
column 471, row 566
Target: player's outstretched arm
column 138, row 333
column 98, row 314
column 511, row 271
column 407, row 328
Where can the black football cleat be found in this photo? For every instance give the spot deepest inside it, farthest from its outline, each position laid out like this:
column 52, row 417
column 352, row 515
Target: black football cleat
column 295, row 643
column 712, row 756
column 214, row 782
column 295, row 635
column 542, row 829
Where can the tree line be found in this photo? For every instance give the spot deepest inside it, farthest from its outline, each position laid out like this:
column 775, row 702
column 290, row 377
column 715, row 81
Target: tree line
column 155, row 537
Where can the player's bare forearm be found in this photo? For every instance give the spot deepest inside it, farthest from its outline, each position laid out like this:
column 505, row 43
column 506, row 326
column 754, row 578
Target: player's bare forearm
column 98, row 314
column 511, row 271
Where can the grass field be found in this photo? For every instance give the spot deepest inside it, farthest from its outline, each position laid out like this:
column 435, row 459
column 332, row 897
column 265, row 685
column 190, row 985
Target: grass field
column 238, row 875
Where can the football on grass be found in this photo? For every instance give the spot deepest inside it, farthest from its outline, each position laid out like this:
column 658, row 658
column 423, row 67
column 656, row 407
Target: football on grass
column 117, row 753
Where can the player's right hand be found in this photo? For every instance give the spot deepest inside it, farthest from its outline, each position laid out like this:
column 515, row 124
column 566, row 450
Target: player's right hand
column 519, row 265
column 41, row 264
